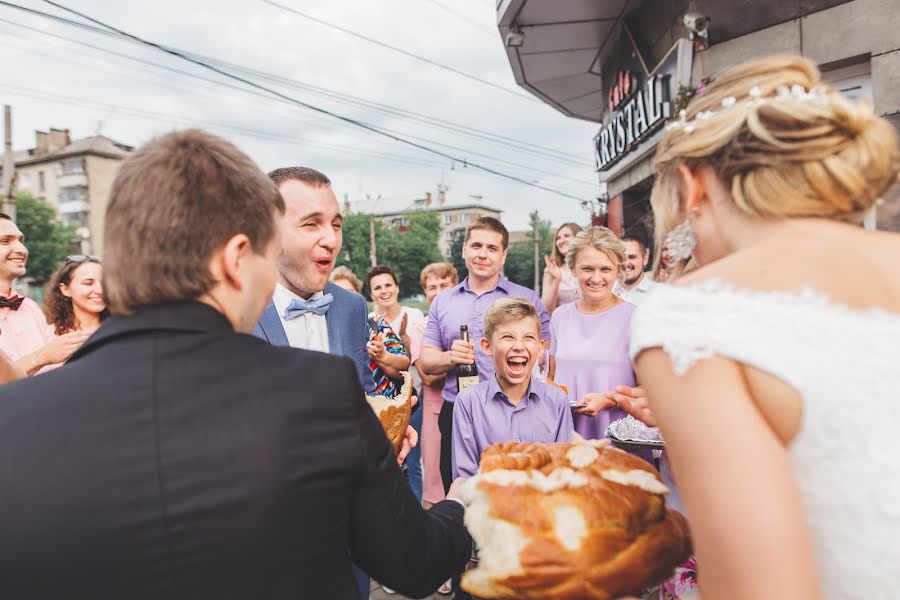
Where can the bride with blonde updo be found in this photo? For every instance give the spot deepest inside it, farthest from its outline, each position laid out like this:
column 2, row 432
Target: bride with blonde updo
column 773, row 369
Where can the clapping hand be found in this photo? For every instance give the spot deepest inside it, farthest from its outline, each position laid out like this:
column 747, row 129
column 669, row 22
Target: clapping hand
column 403, row 323
column 375, row 347
column 633, row 400
column 60, row 348
column 552, row 269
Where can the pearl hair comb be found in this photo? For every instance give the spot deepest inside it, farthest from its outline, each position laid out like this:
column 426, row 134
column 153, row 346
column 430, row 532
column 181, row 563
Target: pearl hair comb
column 795, row 93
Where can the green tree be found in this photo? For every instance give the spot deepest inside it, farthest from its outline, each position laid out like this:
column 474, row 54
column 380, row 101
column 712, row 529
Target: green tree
column 48, row 240
column 406, row 251
column 410, row 250
column 456, row 257
column 520, row 260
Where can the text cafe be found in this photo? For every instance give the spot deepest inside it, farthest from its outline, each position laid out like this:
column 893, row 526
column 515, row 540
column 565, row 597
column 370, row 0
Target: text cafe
column 639, row 102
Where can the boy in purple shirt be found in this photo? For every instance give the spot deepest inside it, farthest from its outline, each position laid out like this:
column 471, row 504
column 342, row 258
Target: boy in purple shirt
column 484, row 251
column 511, row 405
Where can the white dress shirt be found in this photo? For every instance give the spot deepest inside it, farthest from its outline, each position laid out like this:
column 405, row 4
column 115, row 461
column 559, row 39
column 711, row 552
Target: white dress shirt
column 309, row 331
column 638, row 293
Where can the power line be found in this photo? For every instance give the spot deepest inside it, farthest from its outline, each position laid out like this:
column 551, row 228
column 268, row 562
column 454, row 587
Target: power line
column 400, row 50
column 530, row 147
column 464, row 17
column 528, row 168
column 49, row 96
column 156, row 116
column 315, row 108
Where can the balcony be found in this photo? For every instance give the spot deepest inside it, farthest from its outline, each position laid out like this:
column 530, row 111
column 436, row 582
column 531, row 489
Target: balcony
column 71, row 207
column 67, row 180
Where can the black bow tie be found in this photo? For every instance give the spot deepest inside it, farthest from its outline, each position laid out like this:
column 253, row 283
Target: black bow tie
column 12, row 303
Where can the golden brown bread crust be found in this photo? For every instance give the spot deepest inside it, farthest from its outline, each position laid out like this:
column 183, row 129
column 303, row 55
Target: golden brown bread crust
column 631, row 540
column 394, row 413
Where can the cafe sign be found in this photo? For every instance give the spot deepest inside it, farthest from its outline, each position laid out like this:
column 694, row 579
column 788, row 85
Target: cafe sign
column 636, row 111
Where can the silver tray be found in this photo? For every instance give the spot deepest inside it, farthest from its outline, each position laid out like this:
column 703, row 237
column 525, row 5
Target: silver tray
column 631, row 434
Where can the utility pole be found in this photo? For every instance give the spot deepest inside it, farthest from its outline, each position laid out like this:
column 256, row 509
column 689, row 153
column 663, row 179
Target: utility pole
column 537, row 253
column 9, row 166
column 373, row 256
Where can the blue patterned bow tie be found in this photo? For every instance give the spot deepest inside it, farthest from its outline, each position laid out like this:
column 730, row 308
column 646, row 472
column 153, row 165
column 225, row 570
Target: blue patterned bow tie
column 298, row 307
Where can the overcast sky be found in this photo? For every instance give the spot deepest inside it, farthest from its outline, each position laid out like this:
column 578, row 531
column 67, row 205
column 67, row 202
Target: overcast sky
column 56, row 82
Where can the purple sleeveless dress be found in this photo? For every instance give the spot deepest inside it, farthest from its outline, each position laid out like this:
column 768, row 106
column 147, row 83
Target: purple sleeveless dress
column 591, row 354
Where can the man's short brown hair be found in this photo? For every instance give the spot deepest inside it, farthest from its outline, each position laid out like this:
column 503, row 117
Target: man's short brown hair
column 310, row 177
column 509, row 309
column 174, row 202
column 489, row 224
column 441, row 270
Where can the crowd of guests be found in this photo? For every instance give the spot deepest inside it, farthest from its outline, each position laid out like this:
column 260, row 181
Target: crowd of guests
column 200, row 442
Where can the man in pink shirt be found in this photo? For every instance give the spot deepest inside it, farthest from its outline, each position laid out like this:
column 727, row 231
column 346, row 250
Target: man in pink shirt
column 24, row 334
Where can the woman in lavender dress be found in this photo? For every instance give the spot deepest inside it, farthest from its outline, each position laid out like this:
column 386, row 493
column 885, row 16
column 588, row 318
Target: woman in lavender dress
column 589, row 353
column 559, row 285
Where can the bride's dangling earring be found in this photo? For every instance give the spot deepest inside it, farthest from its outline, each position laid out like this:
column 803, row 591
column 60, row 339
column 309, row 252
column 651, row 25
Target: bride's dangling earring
column 681, row 241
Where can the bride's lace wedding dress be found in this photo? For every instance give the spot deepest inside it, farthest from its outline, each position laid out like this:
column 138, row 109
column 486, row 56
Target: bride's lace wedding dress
column 845, row 364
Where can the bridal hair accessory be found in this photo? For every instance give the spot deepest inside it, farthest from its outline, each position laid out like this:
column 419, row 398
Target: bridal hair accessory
column 681, row 241
column 795, row 93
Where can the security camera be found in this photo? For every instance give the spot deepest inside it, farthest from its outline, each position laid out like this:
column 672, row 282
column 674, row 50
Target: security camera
column 515, row 38
column 696, row 22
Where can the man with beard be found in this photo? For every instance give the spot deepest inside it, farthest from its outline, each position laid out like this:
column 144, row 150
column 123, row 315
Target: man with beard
column 637, row 283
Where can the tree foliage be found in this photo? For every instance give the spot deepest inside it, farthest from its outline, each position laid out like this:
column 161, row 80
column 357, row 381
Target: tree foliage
column 48, row 240
column 406, row 251
column 456, row 257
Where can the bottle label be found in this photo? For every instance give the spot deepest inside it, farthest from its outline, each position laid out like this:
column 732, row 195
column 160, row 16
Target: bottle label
column 467, row 382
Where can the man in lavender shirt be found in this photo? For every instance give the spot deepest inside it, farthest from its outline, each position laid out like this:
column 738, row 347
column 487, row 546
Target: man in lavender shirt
column 484, row 251
column 511, row 405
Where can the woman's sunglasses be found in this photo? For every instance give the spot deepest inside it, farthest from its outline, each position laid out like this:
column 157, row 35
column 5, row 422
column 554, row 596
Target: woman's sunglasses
column 77, row 258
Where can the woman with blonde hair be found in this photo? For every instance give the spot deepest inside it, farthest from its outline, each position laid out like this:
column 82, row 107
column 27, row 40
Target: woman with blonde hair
column 589, row 351
column 559, row 286
column 772, row 368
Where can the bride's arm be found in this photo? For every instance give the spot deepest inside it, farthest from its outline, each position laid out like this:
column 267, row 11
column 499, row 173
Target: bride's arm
column 735, row 479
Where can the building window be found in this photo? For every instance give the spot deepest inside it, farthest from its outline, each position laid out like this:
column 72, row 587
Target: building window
column 25, row 181
column 448, row 218
column 464, row 218
column 73, row 166
column 72, row 193
column 78, row 219
column 42, row 184
column 854, row 81
column 398, row 222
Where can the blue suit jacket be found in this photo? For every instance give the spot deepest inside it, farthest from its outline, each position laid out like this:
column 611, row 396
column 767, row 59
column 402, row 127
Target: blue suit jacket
column 348, row 332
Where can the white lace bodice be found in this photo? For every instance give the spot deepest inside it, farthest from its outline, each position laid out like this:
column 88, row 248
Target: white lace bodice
column 845, row 364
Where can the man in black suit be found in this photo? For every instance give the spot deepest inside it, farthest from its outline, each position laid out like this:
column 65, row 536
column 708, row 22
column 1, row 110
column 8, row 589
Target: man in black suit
column 176, row 456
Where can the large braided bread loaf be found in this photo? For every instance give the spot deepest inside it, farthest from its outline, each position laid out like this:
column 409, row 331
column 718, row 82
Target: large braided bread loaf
column 569, row 521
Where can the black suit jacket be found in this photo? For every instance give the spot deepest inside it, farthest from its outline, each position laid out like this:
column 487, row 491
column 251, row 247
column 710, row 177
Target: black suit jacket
column 174, row 458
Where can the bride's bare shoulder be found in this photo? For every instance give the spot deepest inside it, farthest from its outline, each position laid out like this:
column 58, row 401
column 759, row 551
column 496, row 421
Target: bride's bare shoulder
column 853, row 266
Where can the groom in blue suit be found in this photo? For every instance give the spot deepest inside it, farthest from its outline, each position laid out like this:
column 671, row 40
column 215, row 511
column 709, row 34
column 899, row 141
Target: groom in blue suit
column 307, row 311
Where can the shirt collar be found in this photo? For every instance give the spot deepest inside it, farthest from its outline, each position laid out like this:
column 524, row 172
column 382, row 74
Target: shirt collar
column 283, row 296
column 502, row 284
column 494, row 390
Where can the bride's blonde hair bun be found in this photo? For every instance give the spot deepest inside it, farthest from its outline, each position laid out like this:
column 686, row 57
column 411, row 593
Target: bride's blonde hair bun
column 780, row 155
